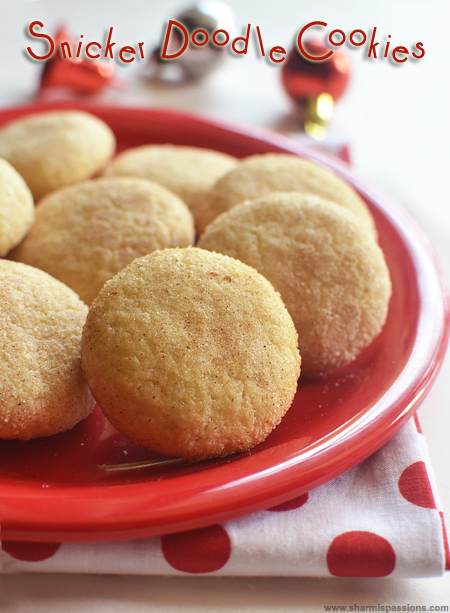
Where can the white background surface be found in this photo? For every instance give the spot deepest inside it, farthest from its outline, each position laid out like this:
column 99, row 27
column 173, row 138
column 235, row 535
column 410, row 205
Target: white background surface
column 396, row 119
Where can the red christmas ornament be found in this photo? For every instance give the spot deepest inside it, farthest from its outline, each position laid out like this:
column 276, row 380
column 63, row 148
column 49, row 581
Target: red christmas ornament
column 77, row 73
column 303, row 78
column 315, row 85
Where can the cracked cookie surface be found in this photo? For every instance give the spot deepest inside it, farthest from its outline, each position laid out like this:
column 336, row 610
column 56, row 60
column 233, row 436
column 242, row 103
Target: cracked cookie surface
column 331, row 274
column 52, row 149
column 42, row 391
column 188, row 171
column 16, row 207
column 260, row 175
column 84, row 234
column 191, row 354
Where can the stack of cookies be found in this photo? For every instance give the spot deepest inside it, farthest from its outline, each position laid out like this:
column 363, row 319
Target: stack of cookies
column 178, row 286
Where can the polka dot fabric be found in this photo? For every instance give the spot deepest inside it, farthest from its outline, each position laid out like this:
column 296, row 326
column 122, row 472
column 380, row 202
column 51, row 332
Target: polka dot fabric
column 380, row 519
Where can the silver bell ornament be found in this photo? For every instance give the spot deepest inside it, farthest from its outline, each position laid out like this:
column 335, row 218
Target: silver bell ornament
column 210, row 21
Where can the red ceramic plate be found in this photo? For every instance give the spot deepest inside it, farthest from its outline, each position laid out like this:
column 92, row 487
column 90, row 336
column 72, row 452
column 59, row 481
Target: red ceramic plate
column 93, row 484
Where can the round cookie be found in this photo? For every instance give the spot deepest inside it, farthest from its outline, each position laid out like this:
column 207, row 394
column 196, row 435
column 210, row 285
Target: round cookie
column 84, row 234
column 330, row 273
column 56, row 148
column 16, row 207
column 191, row 354
column 42, row 390
column 259, row 175
column 187, row 171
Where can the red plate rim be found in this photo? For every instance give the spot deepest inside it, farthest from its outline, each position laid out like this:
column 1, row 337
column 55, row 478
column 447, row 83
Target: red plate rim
column 97, row 513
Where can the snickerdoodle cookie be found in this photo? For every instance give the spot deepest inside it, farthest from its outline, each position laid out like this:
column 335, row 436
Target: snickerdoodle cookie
column 42, row 390
column 331, row 274
column 16, row 207
column 84, row 234
column 187, row 171
column 191, row 353
column 259, row 175
column 52, row 149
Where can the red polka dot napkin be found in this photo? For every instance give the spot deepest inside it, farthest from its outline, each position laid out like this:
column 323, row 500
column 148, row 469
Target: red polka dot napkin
column 381, row 518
